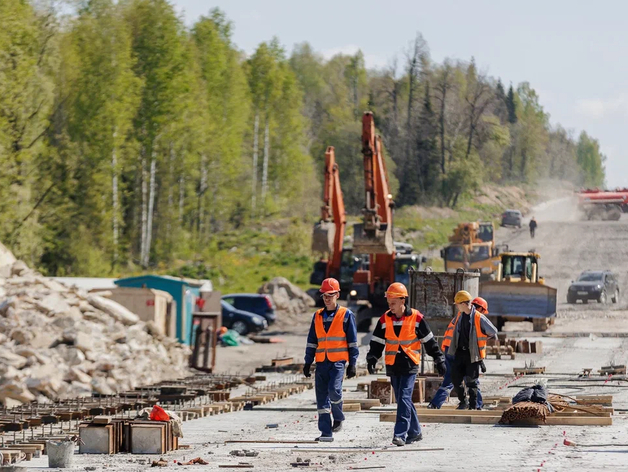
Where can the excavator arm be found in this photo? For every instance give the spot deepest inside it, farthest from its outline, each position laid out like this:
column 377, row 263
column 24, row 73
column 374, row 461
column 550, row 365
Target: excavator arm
column 374, row 235
column 329, row 232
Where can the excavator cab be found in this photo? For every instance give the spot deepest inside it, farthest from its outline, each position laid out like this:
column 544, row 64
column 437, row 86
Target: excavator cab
column 519, row 267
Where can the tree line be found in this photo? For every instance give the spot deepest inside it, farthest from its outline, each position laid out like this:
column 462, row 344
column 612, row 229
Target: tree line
column 130, row 141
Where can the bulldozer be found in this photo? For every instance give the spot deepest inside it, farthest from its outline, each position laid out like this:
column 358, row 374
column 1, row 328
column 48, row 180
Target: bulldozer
column 518, row 293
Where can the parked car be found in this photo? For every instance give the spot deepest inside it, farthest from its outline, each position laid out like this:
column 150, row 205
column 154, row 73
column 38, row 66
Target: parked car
column 512, row 218
column 252, row 302
column 599, row 285
column 243, row 322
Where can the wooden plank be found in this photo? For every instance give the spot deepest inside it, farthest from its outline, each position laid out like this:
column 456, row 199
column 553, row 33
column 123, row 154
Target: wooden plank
column 353, row 450
column 280, row 361
column 469, row 419
column 351, row 407
column 568, row 414
column 270, row 441
column 365, row 403
column 487, row 419
column 101, row 419
column 580, row 421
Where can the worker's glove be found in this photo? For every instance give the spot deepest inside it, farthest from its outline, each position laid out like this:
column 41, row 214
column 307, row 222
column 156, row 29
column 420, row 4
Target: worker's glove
column 350, row 371
column 306, row 370
column 441, row 367
column 371, row 363
column 483, row 367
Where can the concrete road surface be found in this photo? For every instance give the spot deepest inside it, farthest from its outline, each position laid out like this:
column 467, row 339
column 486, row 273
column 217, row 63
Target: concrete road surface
column 584, row 336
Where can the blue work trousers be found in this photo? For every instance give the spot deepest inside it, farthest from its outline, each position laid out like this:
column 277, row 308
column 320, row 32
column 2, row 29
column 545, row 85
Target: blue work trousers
column 407, row 424
column 328, row 384
column 447, row 386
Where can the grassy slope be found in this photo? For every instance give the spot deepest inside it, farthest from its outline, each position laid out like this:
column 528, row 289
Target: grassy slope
column 242, row 261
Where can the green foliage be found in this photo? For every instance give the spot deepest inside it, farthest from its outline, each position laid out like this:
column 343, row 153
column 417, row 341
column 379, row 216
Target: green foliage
column 130, row 142
column 590, row 160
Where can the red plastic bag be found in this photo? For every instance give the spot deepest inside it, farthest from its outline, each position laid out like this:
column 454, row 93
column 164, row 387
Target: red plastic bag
column 159, row 414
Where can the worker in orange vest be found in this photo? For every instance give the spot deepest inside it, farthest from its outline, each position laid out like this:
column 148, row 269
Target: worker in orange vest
column 447, row 386
column 333, row 343
column 401, row 331
column 471, row 329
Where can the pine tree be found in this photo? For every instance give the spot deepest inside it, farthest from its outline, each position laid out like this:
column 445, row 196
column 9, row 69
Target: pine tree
column 511, row 106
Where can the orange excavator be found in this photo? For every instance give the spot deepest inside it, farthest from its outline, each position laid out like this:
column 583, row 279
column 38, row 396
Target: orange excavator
column 374, row 235
column 329, row 232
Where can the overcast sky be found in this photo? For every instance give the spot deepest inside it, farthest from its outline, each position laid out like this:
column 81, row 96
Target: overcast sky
column 574, row 53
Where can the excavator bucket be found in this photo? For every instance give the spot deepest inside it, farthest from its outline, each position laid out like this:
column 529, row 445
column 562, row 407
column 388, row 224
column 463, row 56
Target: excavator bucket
column 519, row 299
column 323, row 237
column 372, row 242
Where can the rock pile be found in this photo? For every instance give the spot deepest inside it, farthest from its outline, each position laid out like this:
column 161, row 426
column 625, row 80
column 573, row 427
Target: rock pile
column 293, row 305
column 58, row 342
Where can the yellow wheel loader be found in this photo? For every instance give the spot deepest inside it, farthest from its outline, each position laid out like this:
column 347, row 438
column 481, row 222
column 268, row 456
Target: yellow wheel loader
column 518, row 293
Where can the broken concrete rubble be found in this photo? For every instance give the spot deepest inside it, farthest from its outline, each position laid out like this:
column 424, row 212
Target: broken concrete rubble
column 287, row 297
column 59, row 342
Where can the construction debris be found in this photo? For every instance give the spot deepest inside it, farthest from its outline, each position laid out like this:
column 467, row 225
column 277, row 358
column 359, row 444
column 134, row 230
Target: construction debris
column 288, row 298
column 58, row 342
column 525, row 411
column 244, row 453
column 529, row 368
column 511, row 346
column 613, row 370
column 195, row 461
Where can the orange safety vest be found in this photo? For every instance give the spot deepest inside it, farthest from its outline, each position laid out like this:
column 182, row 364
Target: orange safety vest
column 482, row 338
column 407, row 339
column 333, row 343
column 449, row 333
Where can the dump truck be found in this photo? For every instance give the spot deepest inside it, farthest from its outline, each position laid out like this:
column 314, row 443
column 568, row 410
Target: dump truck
column 472, row 247
column 596, row 204
column 518, row 293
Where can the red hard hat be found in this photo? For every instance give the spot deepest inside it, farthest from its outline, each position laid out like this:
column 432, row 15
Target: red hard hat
column 479, row 301
column 396, row 290
column 329, row 286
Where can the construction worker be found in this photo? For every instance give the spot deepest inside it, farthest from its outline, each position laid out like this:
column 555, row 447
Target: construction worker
column 447, row 386
column 469, row 333
column 533, row 226
column 333, row 343
column 400, row 331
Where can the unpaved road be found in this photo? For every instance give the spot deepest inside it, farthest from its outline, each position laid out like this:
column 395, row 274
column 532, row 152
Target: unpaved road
column 567, row 246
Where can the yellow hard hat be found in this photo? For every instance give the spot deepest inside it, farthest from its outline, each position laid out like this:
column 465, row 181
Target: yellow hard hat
column 462, row 296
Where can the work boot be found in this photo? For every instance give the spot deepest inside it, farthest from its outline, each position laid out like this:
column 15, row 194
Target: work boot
column 463, row 405
column 337, row 426
column 414, row 439
column 322, row 438
column 398, row 441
